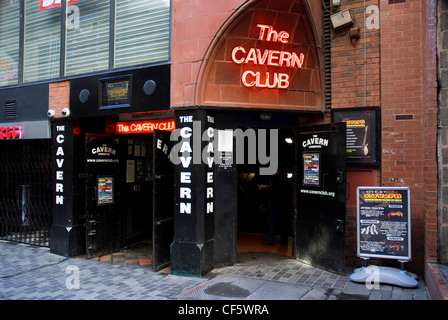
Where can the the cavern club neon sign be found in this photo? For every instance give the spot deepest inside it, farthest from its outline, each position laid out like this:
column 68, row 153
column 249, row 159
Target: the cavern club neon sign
column 135, row 127
column 271, row 58
column 11, row 133
column 48, row 4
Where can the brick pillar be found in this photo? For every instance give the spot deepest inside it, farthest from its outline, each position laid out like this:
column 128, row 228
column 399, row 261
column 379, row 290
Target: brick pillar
column 409, row 115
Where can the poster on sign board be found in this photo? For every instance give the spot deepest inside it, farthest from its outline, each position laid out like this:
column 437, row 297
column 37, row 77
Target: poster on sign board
column 384, row 222
column 362, row 134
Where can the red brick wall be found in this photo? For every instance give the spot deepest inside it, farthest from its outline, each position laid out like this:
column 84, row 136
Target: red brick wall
column 394, row 67
column 355, row 69
column 59, row 97
column 430, row 91
column 195, row 23
column 408, row 88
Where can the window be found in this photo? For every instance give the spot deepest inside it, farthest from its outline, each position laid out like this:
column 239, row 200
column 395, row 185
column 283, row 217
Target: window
column 142, row 30
column 42, row 44
column 87, row 44
column 38, row 42
column 9, row 42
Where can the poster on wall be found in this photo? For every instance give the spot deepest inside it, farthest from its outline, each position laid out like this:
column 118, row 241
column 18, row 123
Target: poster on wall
column 384, row 222
column 362, row 134
column 105, row 190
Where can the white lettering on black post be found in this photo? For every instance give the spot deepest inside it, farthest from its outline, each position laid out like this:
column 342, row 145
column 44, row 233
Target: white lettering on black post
column 186, row 152
column 60, row 159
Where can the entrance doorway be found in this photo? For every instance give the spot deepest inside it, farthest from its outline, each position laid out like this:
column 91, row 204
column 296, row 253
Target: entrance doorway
column 266, row 203
column 129, row 203
column 309, row 193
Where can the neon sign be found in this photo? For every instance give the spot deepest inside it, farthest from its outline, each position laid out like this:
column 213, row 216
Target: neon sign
column 48, row 4
column 10, row 133
column 144, row 126
column 271, row 58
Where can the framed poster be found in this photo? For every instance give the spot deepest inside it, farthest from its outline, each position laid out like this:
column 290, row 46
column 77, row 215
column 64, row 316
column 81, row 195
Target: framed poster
column 311, row 169
column 115, row 92
column 105, row 187
column 362, row 140
column 384, row 222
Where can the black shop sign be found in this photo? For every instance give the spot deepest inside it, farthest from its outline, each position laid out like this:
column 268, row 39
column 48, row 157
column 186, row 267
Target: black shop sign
column 384, row 222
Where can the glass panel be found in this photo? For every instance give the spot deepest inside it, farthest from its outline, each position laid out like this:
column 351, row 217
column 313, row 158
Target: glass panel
column 142, row 32
column 87, row 45
column 42, row 41
column 9, row 42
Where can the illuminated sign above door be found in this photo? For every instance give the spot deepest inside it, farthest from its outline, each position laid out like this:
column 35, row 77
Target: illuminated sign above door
column 11, row 133
column 267, row 57
column 136, row 127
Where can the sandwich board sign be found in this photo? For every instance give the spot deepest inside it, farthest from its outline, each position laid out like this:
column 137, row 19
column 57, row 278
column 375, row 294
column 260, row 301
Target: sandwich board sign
column 384, row 222
column 384, row 231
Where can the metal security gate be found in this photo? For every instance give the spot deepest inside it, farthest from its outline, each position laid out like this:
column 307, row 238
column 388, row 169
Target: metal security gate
column 25, row 191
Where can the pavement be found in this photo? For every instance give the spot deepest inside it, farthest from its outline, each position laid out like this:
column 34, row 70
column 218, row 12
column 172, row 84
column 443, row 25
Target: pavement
column 33, row 273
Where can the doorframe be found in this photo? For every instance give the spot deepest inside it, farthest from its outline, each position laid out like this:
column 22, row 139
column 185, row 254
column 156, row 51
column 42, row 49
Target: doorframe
column 339, row 128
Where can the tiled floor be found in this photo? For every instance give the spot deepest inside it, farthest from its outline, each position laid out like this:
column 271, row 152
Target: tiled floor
column 136, row 255
column 249, row 242
column 140, row 254
column 127, row 259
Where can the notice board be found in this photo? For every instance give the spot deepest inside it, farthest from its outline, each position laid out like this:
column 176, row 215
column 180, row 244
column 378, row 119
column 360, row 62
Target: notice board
column 384, row 222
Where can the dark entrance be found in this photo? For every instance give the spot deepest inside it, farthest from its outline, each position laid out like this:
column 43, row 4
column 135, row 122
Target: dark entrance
column 265, row 203
column 163, row 203
column 129, row 202
column 136, row 167
column 307, row 193
column 103, row 201
column 320, row 221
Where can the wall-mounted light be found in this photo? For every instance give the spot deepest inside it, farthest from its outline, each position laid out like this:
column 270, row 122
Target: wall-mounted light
column 149, row 87
column 51, row 113
column 354, row 34
column 84, row 95
column 289, row 140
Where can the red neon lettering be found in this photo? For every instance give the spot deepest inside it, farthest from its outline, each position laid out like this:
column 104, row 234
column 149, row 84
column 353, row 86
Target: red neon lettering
column 283, row 81
column 273, row 55
column 144, row 126
column 271, row 81
column 268, row 33
column 235, row 51
column 272, row 58
column 269, row 57
column 244, row 78
column 9, row 133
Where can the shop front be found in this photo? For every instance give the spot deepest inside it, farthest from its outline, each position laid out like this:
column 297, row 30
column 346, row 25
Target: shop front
column 114, row 180
column 25, row 155
column 256, row 152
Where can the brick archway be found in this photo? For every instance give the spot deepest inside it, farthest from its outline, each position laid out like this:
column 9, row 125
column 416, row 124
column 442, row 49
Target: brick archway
column 278, row 64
